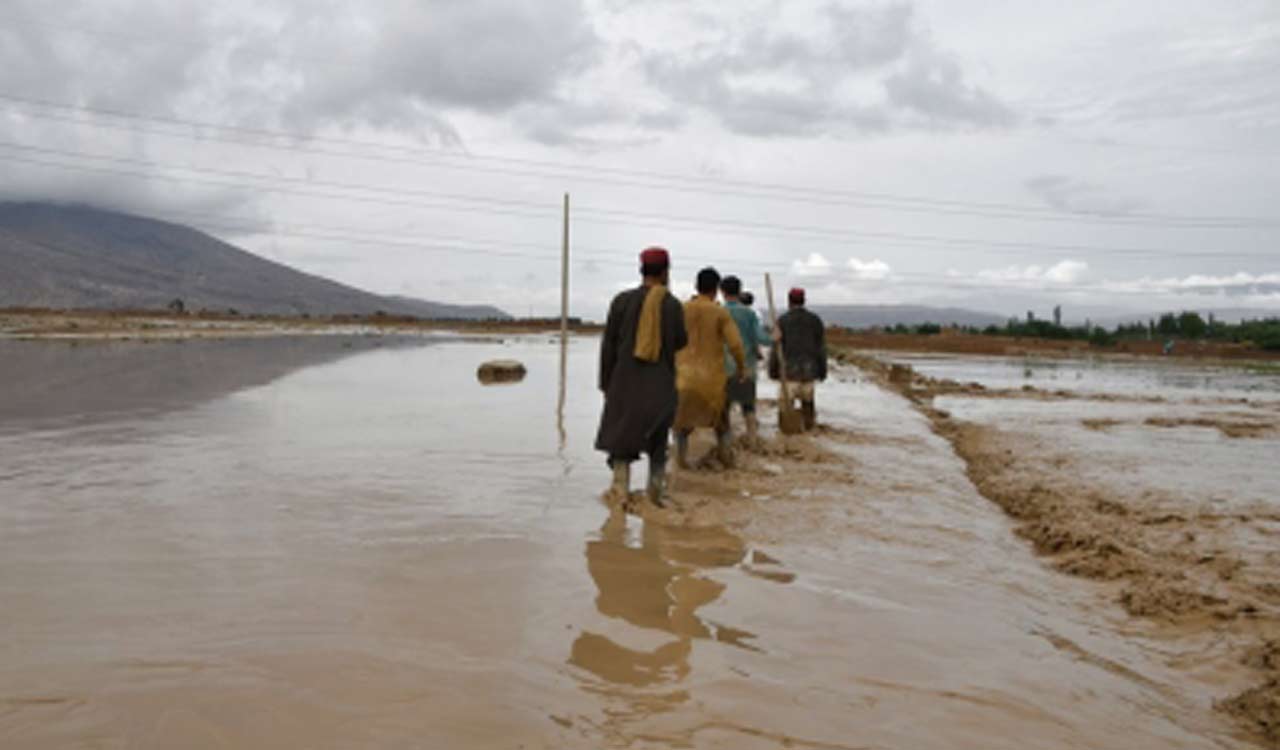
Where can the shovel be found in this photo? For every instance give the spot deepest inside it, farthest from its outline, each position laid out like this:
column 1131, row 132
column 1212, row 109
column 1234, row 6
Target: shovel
column 790, row 421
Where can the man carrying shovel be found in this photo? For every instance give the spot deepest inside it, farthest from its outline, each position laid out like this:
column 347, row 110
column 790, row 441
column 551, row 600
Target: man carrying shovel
column 802, row 336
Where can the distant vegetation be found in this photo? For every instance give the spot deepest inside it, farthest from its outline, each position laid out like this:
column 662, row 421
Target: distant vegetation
column 1184, row 326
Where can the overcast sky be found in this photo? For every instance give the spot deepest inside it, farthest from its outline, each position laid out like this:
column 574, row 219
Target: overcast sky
column 1000, row 155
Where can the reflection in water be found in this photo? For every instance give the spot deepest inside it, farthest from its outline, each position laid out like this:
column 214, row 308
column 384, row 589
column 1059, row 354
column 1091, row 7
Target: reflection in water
column 658, row 585
column 47, row 381
column 563, row 384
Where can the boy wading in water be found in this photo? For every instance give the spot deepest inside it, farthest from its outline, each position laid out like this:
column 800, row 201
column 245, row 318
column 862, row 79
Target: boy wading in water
column 700, row 369
column 644, row 331
column 740, row 388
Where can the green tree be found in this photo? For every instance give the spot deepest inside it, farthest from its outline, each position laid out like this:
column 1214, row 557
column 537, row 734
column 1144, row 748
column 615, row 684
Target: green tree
column 1099, row 337
column 1191, row 325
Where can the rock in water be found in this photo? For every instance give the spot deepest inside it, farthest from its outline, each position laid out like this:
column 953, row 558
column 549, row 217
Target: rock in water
column 900, row 373
column 501, row 371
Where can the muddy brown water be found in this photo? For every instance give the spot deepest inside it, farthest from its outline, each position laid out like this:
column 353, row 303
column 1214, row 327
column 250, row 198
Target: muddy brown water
column 342, row 543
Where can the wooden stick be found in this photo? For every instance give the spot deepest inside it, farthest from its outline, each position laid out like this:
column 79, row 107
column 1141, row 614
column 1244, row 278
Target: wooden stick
column 784, row 403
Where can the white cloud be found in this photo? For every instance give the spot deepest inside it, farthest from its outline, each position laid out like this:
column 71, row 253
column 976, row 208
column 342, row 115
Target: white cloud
column 814, row 265
column 1065, row 272
column 1240, row 283
column 872, row 270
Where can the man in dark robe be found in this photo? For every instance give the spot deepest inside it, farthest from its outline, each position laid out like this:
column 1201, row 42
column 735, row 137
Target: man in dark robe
column 803, row 337
column 644, row 331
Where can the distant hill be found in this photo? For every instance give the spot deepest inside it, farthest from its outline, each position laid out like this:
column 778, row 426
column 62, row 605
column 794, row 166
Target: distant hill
column 439, row 310
column 884, row 316
column 77, row 257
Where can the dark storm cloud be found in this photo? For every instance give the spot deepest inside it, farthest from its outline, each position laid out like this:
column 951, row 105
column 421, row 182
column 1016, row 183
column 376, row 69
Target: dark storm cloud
column 181, row 203
column 1228, row 77
column 932, row 88
column 482, row 55
column 1076, row 196
column 402, row 67
column 857, row 69
column 409, row 67
column 394, row 65
column 570, row 123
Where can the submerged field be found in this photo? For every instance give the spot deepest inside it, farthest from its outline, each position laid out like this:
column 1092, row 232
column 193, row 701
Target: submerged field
column 347, row 541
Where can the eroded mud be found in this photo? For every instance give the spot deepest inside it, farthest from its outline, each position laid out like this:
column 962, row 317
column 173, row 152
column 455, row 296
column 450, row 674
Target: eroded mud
column 1172, row 559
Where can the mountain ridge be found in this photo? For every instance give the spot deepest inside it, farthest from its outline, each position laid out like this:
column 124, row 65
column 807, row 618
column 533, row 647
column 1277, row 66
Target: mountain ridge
column 884, row 316
column 77, row 256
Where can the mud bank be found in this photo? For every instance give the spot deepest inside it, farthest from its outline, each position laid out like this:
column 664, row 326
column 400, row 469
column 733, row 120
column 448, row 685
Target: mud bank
column 960, row 343
column 150, row 325
column 776, row 469
column 864, row 481
column 1192, row 572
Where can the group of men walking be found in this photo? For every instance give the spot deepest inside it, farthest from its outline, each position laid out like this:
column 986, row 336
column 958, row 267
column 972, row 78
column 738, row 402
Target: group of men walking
column 666, row 365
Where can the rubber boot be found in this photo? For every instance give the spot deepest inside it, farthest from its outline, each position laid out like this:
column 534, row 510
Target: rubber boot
column 621, row 478
column 682, row 450
column 810, row 413
column 657, row 487
column 724, row 448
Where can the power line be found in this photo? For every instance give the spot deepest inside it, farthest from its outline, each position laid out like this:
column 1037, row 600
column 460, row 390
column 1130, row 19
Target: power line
column 896, row 279
column 360, row 234
column 603, row 257
column 1057, row 217
column 265, row 188
column 284, row 179
column 593, row 215
column 614, row 258
column 656, row 180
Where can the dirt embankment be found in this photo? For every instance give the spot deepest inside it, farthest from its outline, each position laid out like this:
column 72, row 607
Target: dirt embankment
column 144, row 324
column 756, row 496
column 1232, row 427
column 1190, row 570
column 921, row 388
column 964, row 343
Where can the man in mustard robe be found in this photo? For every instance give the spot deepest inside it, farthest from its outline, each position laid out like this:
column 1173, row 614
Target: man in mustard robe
column 700, row 372
column 644, row 331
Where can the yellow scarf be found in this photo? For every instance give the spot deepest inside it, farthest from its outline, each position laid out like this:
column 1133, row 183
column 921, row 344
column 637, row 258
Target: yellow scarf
column 649, row 331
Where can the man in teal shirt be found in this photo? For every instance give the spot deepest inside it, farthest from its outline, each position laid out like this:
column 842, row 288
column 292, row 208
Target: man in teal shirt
column 742, row 391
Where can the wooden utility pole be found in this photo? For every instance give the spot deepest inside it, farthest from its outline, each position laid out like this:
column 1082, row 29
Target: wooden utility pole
column 564, row 274
column 564, row 321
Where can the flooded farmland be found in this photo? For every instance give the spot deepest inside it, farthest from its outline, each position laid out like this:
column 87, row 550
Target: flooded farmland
column 336, row 542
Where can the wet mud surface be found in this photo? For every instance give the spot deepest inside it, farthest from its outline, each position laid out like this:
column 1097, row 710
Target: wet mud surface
column 1196, row 558
column 208, row 546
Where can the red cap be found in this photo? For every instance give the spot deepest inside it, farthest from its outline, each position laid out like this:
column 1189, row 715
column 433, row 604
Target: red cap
column 796, row 296
column 655, row 256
